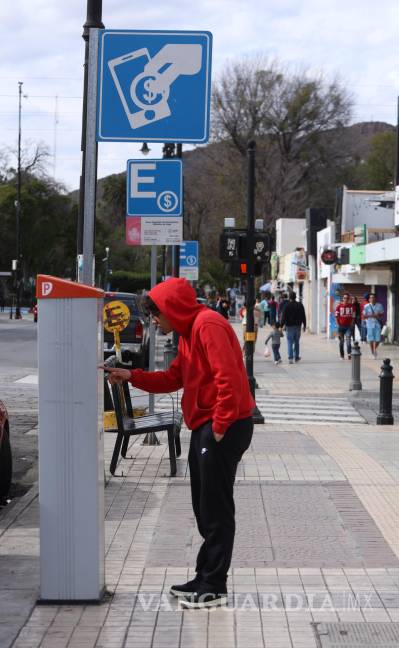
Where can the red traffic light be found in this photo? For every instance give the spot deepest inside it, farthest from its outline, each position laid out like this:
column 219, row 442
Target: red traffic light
column 243, row 268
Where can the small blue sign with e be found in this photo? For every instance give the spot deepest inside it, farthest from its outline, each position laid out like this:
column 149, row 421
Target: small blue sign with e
column 154, row 187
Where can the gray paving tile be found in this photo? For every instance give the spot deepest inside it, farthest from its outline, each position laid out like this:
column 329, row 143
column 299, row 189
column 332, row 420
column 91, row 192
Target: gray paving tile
column 282, row 524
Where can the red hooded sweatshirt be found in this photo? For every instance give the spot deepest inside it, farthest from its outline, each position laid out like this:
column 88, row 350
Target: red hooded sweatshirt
column 209, row 364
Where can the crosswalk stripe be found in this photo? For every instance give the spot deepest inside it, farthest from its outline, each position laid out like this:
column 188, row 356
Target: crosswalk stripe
column 300, row 399
column 320, row 419
column 306, row 410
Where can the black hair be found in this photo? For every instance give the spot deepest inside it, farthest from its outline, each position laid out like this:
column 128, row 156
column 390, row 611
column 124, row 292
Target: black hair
column 372, row 295
column 277, row 325
column 292, row 295
column 149, row 306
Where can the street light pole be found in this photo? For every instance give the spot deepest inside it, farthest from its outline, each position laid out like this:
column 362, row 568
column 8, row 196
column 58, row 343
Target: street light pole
column 93, row 19
column 106, row 261
column 18, row 209
column 250, row 328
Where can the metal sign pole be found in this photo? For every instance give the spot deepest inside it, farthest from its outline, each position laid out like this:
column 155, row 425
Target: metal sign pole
column 91, row 161
column 151, row 438
column 151, row 399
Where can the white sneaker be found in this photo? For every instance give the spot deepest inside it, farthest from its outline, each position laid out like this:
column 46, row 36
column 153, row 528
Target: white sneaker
column 276, row 362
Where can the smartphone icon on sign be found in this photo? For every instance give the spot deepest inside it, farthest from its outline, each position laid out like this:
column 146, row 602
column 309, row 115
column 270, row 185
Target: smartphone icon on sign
column 142, row 104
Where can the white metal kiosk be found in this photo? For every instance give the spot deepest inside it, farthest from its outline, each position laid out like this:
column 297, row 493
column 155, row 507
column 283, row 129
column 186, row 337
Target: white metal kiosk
column 71, row 458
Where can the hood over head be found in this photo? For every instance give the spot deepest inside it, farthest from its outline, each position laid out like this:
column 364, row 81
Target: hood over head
column 177, row 300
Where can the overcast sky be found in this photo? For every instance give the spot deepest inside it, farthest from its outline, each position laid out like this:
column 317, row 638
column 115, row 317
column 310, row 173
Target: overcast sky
column 41, row 45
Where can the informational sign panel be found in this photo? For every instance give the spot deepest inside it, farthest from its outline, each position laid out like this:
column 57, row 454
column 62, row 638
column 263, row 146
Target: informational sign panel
column 150, row 230
column 396, row 205
column 154, row 86
column 154, row 187
column 189, row 260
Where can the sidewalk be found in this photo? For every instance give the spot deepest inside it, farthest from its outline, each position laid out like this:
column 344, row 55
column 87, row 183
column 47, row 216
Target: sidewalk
column 317, row 545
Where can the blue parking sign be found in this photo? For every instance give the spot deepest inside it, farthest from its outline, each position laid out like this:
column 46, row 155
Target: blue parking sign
column 154, row 187
column 188, row 266
column 154, row 86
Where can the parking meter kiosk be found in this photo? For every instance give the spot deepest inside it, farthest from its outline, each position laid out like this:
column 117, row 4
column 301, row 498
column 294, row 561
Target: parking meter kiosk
column 71, row 461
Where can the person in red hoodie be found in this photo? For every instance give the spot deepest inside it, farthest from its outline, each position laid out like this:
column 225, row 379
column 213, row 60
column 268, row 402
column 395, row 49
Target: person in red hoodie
column 345, row 314
column 217, row 406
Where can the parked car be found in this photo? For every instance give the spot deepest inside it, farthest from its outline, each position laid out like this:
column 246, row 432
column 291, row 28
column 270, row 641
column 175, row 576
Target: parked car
column 135, row 338
column 5, row 453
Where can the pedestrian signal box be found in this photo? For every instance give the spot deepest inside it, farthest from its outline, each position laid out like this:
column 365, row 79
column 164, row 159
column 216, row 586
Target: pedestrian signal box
column 71, row 461
column 237, row 245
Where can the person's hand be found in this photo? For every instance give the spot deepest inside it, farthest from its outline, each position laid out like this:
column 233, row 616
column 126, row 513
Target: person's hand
column 116, row 375
column 218, row 437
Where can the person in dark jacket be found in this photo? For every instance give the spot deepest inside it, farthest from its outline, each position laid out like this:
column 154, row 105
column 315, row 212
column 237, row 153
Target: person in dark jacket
column 292, row 319
column 223, row 307
column 281, row 306
column 217, row 406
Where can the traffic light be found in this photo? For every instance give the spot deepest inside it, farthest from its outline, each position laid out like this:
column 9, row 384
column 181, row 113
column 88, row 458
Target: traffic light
column 239, row 269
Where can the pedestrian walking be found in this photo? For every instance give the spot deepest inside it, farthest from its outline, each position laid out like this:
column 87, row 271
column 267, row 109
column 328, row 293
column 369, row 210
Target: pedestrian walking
column 217, row 406
column 358, row 318
column 281, row 305
column 275, row 336
column 373, row 313
column 364, row 302
column 232, row 295
column 264, row 306
column 223, row 307
column 292, row 319
column 345, row 317
column 243, row 315
column 260, row 312
column 272, row 310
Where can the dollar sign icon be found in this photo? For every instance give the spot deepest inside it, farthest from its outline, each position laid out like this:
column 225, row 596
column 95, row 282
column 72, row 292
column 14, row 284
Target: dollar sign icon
column 149, row 96
column 167, row 201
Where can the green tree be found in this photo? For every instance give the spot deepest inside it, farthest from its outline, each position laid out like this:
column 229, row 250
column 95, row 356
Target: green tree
column 47, row 227
column 216, row 274
column 378, row 169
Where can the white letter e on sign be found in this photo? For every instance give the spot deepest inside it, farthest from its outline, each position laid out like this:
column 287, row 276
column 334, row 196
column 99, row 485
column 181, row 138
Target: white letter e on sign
column 47, row 287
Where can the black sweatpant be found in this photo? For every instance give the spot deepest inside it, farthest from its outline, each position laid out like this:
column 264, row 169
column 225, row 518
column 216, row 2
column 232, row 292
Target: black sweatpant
column 213, row 466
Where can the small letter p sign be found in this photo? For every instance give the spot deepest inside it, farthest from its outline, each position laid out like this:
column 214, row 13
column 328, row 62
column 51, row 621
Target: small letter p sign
column 47, row 287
